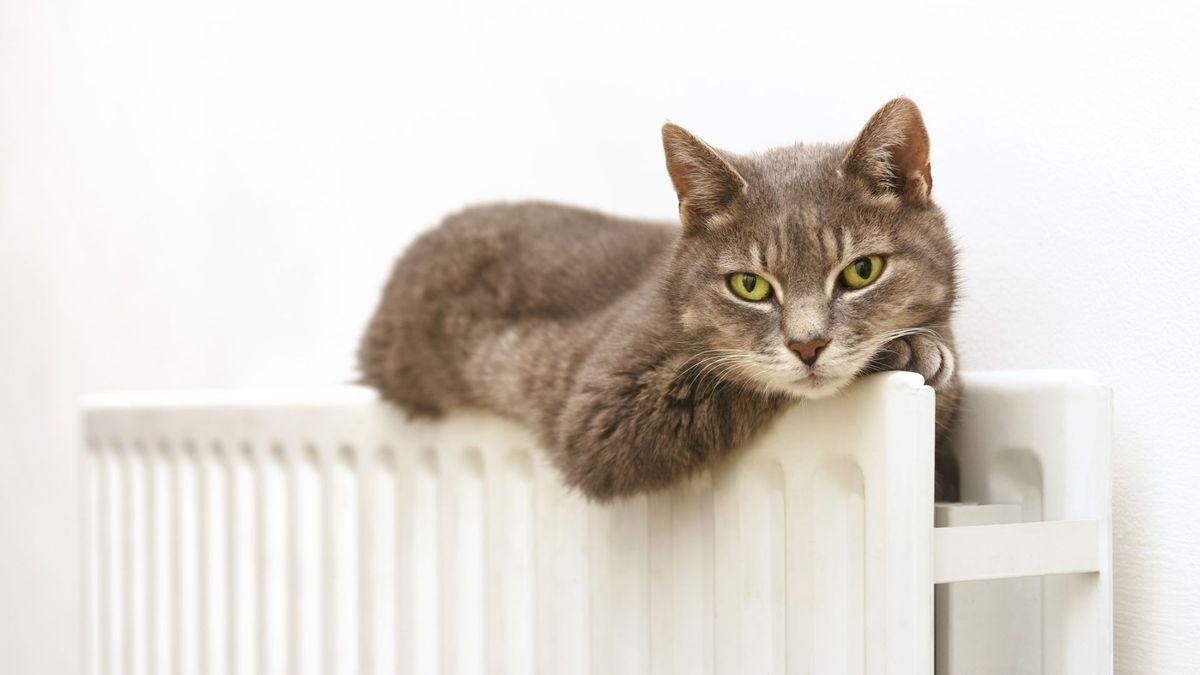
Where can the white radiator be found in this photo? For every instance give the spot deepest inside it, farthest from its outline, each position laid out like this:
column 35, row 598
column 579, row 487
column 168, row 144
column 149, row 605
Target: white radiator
column 320, row 532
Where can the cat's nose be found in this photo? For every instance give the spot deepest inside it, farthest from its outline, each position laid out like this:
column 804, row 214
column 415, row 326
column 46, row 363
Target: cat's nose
column 808, row 350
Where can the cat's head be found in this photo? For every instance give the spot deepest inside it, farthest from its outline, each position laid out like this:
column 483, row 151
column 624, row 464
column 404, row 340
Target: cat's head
column 798, row 265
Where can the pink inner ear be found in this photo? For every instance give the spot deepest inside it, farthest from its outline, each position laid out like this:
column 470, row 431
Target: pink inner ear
column 912, row 156
column 912, row 162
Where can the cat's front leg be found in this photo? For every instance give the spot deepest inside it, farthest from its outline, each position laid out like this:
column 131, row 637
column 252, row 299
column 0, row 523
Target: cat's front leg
column 932, row 356
column 927, row 355
column 648, row 419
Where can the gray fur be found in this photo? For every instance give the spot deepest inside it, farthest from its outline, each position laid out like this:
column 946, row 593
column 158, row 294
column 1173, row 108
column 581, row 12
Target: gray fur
column 620, row 343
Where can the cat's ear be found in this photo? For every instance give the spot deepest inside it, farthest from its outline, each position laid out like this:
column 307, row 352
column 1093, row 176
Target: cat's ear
column 891, row 153
column 706, row 184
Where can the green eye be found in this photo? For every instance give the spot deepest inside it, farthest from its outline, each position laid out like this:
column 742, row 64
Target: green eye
column 749, row 286
column 862, row 272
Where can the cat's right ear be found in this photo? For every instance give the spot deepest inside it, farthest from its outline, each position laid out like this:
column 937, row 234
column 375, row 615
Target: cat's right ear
column 706, row 184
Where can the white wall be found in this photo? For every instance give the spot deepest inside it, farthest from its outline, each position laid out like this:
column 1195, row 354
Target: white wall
column 209, row 193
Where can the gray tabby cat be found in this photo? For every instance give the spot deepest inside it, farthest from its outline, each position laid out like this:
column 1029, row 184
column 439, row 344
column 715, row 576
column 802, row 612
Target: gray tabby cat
column 639, row 352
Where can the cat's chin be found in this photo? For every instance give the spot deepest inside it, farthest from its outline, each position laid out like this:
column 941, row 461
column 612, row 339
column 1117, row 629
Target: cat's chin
column 814, row 386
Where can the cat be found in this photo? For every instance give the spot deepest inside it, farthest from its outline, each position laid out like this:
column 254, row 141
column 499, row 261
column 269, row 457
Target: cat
column 639, row 352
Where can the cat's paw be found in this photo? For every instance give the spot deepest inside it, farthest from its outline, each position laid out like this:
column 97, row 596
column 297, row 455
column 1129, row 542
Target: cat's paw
column 925, row 355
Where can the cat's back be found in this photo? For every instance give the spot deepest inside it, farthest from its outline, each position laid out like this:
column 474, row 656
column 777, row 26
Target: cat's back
column 539, row 257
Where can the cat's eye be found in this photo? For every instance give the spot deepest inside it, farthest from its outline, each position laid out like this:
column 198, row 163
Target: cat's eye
column 749, row 286
column 862, row 272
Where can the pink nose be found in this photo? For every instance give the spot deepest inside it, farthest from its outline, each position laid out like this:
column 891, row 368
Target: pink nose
column 808, row 350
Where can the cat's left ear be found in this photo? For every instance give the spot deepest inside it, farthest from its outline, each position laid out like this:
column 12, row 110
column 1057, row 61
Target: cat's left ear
column 891, row 153
column 706, row 183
